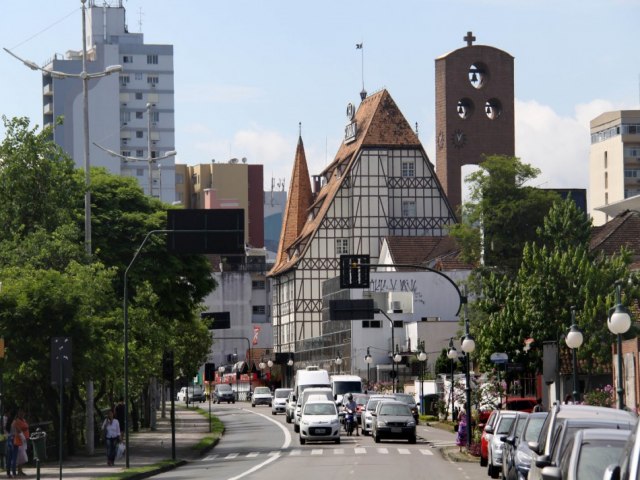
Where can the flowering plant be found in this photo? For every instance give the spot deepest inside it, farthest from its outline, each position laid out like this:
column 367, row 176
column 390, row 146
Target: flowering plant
column 602, row 397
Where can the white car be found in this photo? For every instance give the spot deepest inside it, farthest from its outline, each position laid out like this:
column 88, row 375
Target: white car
column 501, row 428
column 261, row 396
column 279, row 404
column 319, row 422
column 290, row 409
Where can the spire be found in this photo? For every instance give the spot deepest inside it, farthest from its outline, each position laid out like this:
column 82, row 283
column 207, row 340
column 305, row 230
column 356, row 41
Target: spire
column 299, row 199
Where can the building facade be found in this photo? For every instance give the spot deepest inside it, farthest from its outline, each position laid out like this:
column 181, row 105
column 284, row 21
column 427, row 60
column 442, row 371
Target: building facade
column 131, row 114
column 380, row 183
column 614, row 161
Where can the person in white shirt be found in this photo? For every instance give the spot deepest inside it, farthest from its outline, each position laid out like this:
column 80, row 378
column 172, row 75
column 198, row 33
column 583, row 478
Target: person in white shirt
column 111, row 429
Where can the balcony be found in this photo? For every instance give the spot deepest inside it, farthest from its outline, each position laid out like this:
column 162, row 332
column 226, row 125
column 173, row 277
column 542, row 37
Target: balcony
column 48, row 109
column 47, row 90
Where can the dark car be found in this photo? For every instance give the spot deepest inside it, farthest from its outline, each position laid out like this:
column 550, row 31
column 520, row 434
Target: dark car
column 411, row 401
column 510, row 442
column 521, row 459
column 224, row 393
column 587, row 455
column 393, row 419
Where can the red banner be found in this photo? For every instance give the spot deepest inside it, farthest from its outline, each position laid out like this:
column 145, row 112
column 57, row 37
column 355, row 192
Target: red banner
column 256, row 332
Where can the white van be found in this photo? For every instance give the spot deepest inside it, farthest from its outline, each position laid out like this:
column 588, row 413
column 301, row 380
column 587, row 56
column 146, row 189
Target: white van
column 314, row 393
column 343, row 384
column 310, row 377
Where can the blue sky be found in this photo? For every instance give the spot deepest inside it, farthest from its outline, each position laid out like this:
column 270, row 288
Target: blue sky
column 246, row 72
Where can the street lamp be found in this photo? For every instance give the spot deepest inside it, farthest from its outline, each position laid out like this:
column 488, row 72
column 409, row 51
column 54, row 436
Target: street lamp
column 368, row 359
column 270, row 364
column 221, row 372
column 397, row 358
column 422, row 357
column 262, row 366
column 290, row 365
column 339, row 361
column 618, row 323
column 574, row 341
column 452, row 355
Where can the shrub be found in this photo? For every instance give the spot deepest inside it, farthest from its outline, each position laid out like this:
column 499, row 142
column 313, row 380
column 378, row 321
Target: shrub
column 602, row 397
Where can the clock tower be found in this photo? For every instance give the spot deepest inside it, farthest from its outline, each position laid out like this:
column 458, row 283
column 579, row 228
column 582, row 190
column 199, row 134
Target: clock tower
column 474, row 111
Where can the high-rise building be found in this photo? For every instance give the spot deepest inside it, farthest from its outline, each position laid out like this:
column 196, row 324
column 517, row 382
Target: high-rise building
column 131, row 114
column 614, row 161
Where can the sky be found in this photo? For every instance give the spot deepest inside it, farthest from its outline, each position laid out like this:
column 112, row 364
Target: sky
column 247, row 73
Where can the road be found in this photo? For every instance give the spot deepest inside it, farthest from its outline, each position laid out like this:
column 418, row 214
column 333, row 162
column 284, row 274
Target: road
column 257, row 445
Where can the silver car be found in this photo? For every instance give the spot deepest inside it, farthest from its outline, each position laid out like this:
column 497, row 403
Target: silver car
column 290, row 408
column 367, row 412
column 279, row 403
column 501, row 428
column 393, row 419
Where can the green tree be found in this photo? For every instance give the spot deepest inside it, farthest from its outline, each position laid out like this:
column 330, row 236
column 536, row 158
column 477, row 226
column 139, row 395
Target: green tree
column 502, row 214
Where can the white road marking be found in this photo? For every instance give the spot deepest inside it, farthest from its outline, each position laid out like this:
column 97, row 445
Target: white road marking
column 231, row 456
column 338, row 451
column 426, row 452
column 317, row 451
column 209, row 458
column 295, row 452
column 383, row 450
column 404, row 451
column 252, row 454
column 359, row 450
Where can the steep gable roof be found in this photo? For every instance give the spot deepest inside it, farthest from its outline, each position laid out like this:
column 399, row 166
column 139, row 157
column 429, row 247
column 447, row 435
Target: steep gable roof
column 621, row 231
column 379, row 123
column 440, row 253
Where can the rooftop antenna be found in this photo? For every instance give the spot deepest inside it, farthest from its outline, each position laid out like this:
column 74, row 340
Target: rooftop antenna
column 417, row 133
column 360, row 46
column 140, row 14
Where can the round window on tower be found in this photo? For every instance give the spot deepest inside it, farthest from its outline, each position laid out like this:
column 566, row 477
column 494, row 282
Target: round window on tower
column 478, row 75
column 493, row 108
column 464, row 108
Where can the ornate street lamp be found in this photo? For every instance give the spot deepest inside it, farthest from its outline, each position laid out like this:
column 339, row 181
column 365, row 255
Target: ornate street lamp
column 339, row 361
column 618, row 323
column 422, row 357
column 574, row 341
column 452, row 355
column 397, row 358
column 368, row 359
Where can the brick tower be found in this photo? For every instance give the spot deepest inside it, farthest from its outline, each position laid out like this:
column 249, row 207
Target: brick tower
column 474, row 111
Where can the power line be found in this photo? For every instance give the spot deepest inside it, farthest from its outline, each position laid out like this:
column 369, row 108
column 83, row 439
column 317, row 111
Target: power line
column 44, row 29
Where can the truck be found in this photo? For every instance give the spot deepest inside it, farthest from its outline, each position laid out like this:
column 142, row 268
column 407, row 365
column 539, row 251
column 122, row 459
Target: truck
column 343, row 384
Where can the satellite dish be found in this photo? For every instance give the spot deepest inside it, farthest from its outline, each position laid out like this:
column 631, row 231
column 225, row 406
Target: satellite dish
column 244, row 159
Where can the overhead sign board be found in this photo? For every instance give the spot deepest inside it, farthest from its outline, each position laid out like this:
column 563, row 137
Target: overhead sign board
column 222, row 231
column 499, row 358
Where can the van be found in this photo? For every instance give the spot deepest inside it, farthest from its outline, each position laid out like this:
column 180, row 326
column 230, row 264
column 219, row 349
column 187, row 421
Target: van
column 310, row 377
column 343, row 384
column 318, row 394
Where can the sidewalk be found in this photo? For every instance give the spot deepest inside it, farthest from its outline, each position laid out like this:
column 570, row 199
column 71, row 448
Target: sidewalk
column 145, row 448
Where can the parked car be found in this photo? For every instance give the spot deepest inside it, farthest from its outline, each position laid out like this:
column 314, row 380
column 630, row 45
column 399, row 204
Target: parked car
column 194, row 393
column 319, row 422
column 261, row 396
column 393, row 419
column 553, row 436
column 290, row 408
column 494, row 456
column 587, row 454
column 628, row 465
column 521, row 460
column 367, row 413
column 280, row 396
column 519, row 404
column 487, row 433
column 224, row 393
column 510, row 442
column 411, row 401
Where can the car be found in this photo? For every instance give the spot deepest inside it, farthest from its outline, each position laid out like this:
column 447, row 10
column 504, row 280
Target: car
column 280, row 396
column 494, row 455
column 520, row 404
column 223, row 392
column 587, row 454
column 194, row 393
column 393, row 419
column 367, row 413
column 290, row 408
column 261, row 396
column 521, row 460
column 628, row 464
column 510, row 442
column 487, row 433
column 324, row 393
column 547, row 448
column 411, row 401
column 319, row 422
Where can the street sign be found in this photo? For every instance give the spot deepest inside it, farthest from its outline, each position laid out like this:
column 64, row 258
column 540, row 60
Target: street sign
column 61, row 365
column 354, row 271
column 499, row 358
column 351, row 309
column 224, row 231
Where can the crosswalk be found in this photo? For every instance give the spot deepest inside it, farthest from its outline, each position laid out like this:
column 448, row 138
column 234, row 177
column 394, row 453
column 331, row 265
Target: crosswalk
column 299, row 452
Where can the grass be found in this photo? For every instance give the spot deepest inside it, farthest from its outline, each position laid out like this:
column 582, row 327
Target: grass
column 138, row 470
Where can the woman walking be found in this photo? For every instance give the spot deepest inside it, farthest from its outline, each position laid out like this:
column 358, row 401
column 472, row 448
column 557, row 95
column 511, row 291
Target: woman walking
column 111, row 429
column 20, row 432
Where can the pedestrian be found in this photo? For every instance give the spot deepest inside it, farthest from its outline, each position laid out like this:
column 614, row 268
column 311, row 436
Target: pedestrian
column 568, row 400
column 461, row 436
column 120, row 416
column 20, row 431
column 111, row 429
column 7, row 420
column 538, row 405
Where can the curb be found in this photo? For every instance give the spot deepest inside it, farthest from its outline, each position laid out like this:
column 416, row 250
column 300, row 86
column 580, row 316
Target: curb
column 454, row 455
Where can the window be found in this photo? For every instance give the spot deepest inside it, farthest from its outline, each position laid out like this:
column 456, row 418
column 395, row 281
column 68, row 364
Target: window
column 125, row 116
column 152, row 59
column 139, row 153
column 139, row 172
column 258, row 284
column 124, row 80
column 408, row 208
column 125, row 153
column 127, row 59
column 398, row 324
column 139, row 115
column 138, row 94
column 258, row 310
column 371, row 324
column 342, row 246
column 179, row 179
column 606, row 159
column 408, row 168
column 139, row 134
column 606, row 180
column 155, row 116
column 152, row 79
column 138, row 76
column 154, row 154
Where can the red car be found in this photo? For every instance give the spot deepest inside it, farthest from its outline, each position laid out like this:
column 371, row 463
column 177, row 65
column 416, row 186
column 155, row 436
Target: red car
column 486, row 438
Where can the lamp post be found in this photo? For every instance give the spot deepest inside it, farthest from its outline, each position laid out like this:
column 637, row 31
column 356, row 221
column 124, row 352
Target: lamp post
column 468, row 345
column 290, row 365
column 393, row 342
column 270, row 364
column 262, row 365
column 574, row 341
column 422, row 357
column 452, row 355
column 220, row 372
column 368, row 359
column 397, row 358
column 618, row 323
column 339, row 361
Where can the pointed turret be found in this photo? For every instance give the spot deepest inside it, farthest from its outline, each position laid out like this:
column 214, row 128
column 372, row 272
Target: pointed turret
column 299, row 199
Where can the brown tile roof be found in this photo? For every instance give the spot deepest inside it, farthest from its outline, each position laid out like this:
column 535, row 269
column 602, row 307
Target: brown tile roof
column 622, row 230
column 440, row 253
column 379, row 124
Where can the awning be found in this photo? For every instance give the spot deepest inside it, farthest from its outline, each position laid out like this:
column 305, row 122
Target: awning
column 239, row 367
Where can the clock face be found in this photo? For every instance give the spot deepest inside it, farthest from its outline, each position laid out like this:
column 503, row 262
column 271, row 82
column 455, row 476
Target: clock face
column 441, row 140
column 459, row 138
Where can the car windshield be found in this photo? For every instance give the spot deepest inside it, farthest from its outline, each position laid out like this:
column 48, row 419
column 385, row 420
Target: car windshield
column 394, row 409
column 371, row 405
column 504, row 425
column 320, row 409
column 595, row 456
column 406, row 398
column 262, row 391
column 224, row 388
column 532, row 433
column 282, row 393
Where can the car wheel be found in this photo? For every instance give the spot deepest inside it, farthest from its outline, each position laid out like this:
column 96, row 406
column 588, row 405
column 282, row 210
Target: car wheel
column 296, row 428
column 376, row 437
column 288, row 419
column 412, row 439
column 253, row 405
column 233, row 401
column 365, row 432
column 483, row 462
column 338, row 441
column 302, row 441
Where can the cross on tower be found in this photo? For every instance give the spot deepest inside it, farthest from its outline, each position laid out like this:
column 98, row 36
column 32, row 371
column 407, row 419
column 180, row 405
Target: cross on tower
column 469, row 39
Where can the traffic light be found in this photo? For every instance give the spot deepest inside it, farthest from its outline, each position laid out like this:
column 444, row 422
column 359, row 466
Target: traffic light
column 354, row 271
column 209, row 372
column 167, row 365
